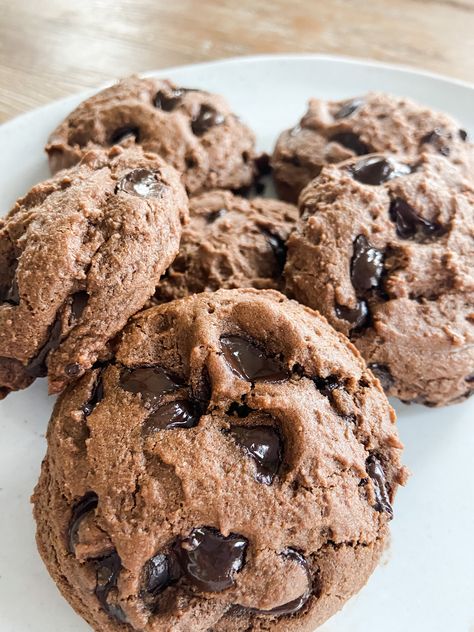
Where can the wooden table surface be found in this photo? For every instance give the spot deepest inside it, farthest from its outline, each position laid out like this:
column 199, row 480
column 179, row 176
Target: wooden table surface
column 52, row 48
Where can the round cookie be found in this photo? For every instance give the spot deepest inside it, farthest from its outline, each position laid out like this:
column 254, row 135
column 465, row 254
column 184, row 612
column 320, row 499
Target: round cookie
column 79, row 254
column 232, row 468
column 385, row 251
column 333, row 131
column 230, row 242
column 193, row 130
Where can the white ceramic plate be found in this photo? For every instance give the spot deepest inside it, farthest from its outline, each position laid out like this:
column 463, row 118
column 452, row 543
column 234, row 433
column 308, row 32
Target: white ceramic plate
column 426, row 582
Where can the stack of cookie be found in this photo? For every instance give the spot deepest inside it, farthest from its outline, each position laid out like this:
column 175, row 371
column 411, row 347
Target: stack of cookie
column 222, row 457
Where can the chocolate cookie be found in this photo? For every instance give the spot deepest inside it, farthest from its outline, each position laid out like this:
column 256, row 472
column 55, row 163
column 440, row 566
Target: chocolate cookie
column 233, row 468
column 333, row 131
column 385, row 250
column 230, row 242
column 79, row 254
column 193, row 130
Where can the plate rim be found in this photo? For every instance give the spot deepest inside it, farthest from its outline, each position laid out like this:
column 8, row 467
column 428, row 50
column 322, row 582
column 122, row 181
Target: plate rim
column 258, row 58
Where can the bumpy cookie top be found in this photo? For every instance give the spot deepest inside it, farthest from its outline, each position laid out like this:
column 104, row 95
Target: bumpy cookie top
column 333, row 131
column 79, row 254
column 230, row 242
column 385, row 251
column 232, row 468
column 193, row 130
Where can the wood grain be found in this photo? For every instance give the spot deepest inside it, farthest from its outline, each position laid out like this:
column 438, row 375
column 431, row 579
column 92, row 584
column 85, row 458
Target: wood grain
column 52, row 48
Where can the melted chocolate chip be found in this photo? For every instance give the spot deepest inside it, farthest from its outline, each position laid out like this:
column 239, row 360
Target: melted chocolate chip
column 351, row 141
column 262, row 444
column 107, row 572
column 383, row 374
column 80, row 510
column 11, row 294
column 160, row 572
column 358, row 316
column 348, row 108
column 376, row 473
column 295, row 604
column 366, row 265
column 73, row 369
column 215, row 215
column 210, row 560
column 141, row 182
column 206, row 118
column 78, row 304
column 168, row 101
column 248, row 362
column 122, row 133
column 278, row 247
column 97, row 395
column 37, row 366
column 151, row 382
column 376, row 170
column 178, row 414
column 439, row 139
column 410, row 225
column 463, row 135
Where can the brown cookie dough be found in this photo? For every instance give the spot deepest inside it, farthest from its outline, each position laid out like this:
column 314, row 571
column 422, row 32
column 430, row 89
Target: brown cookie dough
column 333, row 131
column 232, row 469
column 230, row 242
column 193, row 130
column 385, row 251
column 79, row 254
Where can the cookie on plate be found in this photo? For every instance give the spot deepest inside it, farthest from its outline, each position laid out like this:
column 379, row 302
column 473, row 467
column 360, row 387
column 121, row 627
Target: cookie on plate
column 79, row 254
column 385, row 250
column 333, row 131
column 232, row 468
column 193, row 130
column 230, row 242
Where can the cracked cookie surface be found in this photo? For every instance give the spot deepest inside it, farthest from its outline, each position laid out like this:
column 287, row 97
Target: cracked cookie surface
column 232, row 468
column 79, row 254
column 193, row 130
column 230, row 242
column 384, row 250
column 334, row 131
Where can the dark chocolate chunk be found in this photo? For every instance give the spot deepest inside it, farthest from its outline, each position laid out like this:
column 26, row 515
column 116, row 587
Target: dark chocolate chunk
column 209, row 560
column 97, row 395
column 366, row 265
column 107, row 571
column 150, row 381
column 358, row 316
column 37, row 366
column 122, row 133
column 263, row 445
column 73, row 369
column 249, row 363
column 410, row 225
column 80, row 510
column 168, row 101
column 376, row 170
column 215, row 215
column 383, row 374
column 159, row 572
column 206, row 118
column 11, row 295
column 178, row 414
column 439, row 139
column 141, row 182
column 78, row 304
column 463, row 135
column 377, row 475
column 351, row 141
column 348, row 108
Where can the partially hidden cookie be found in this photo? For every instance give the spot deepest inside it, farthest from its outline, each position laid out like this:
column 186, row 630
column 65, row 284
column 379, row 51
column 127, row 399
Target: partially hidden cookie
column 193, row 130
column 333, row 131
column 79, row 254
column 385, row 250
column 232, row 468
column 230, row 242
